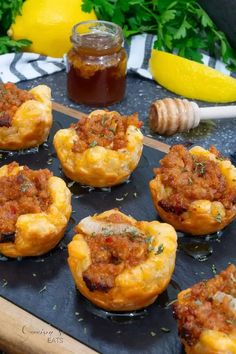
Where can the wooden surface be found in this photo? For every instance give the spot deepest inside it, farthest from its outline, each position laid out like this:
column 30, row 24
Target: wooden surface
column 23, row 333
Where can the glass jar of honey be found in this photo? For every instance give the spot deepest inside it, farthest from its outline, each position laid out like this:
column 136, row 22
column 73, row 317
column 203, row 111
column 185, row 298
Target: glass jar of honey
column 97, row 61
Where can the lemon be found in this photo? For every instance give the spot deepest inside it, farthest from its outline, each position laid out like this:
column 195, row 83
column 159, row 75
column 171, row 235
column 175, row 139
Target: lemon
column 48, row 24
column 190, row 79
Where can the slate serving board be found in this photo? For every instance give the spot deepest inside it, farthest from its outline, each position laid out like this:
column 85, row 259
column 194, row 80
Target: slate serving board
column 44, row 287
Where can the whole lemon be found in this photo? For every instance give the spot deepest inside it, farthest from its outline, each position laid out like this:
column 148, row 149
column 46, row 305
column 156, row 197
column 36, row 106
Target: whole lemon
column 48, row 24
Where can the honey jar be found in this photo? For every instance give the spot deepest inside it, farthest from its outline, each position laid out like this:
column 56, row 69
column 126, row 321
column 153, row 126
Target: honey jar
column 97, row 62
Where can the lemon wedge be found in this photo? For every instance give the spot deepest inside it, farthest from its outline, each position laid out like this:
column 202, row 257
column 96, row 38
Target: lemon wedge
column 190, row 79
column 48, row 24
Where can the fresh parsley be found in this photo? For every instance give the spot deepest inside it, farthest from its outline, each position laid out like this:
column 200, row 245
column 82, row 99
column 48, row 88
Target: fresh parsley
column 181, row 26
column 93, row 144
column 160, row 249
column 8, row 11
column 218, row 217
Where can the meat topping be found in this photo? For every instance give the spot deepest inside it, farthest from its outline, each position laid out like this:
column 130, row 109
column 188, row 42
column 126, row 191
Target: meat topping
column 110, row 255
column 22, row 193
column 11, row 98
column 107, row 129
column 208, row 306
column 193, row 178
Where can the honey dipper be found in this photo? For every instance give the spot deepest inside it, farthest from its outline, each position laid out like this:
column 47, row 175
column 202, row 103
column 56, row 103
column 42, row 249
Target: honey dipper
column 172, row 115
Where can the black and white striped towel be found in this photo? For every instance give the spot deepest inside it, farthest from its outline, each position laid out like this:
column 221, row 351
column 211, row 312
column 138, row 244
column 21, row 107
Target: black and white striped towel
column 25, row 66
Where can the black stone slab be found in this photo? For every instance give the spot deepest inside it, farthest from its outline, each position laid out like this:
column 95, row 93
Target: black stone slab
column 44, row 286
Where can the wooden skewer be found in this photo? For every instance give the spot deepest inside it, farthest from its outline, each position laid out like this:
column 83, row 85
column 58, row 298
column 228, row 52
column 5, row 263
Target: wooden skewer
column 172, row 115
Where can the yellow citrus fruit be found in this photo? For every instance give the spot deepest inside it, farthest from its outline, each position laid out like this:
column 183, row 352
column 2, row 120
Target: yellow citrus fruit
column 190, row 79
column 48, row 24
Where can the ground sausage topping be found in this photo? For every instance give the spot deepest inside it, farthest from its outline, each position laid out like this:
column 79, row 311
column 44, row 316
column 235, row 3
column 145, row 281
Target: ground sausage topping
column 201, row 311
column 23, row 193
column 10, row 99
column 110, row 255
column 107, row 129
column 193, row 178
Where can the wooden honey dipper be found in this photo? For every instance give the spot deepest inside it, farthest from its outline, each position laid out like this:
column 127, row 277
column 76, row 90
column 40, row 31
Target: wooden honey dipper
column 172, row 115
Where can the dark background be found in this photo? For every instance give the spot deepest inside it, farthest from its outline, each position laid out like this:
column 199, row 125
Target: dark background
column 223, row 13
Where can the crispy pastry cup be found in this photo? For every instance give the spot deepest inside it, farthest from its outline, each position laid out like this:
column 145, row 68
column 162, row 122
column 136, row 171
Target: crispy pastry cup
column 202, row 217
column 38, row 233
column 136, row 287
column 31, row 123
column 98, row 166
column 210, row 341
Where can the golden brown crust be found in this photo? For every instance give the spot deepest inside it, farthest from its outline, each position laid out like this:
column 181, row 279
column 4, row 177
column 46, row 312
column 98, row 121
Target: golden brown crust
column 98, row 166
column 206, row 315
column 31, row 122
column 136, row 286
column 36, row 234
column 200, row 216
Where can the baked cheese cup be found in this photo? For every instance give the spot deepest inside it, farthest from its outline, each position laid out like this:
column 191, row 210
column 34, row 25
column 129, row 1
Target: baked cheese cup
column 25, row 116
column 206, row 315
column 35, row 210
column 121, row 264
column 101, row 150
column 195, row 190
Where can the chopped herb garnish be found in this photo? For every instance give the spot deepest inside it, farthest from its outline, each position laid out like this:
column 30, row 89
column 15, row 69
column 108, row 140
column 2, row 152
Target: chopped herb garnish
column 107, row 232
column 190, row 181
column 198, row 302
column 232, row 278
column 103, row 121
column 135, row 194
column 153, row 334
column 70, row 184
column 232, row 322
column 218, row 217
column 150, row 248
column 5, row 283
column 113, row 130
column 168, row 304
column 119, row 199
column 43, row 289
column 49, row 161
column 200, row 167
column 80, row 319
column 148, row 239
column 25, row 186
column 164, row 329
column 34, row 274
column 160, row 249
column 213, row 268
column 54, row 307
column 93, row 144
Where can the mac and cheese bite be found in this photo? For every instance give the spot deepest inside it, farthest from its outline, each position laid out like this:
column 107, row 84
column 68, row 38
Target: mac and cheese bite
column 121, row 264
column 25, row 116
column 206, row 315
column 195, row 190
column 101, row 150
column 35, row 210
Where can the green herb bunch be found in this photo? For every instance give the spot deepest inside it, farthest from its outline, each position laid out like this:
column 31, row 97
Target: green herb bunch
column 182, row 26
column 8, row 11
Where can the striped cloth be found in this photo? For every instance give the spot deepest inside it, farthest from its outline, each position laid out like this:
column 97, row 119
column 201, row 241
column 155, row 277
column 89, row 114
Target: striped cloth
column 15, row 67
